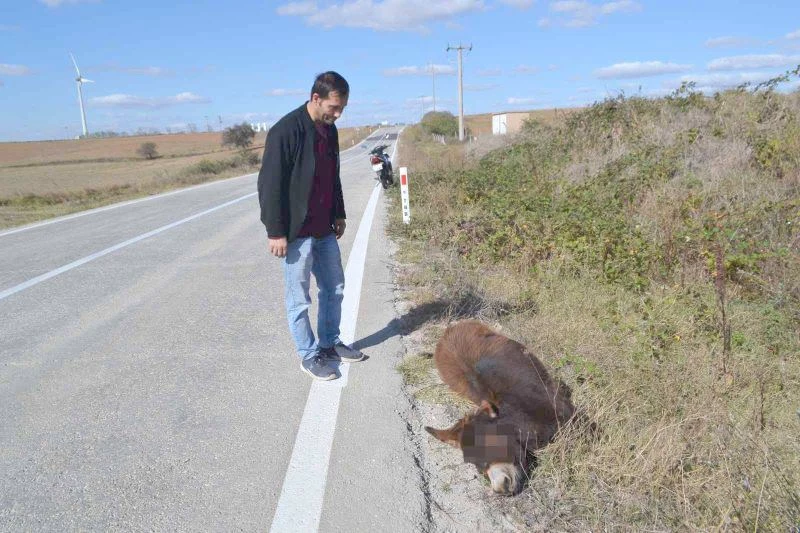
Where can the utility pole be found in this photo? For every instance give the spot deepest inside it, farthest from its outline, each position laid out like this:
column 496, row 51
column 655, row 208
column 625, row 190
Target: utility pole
column 460, row 48
column 433, row 76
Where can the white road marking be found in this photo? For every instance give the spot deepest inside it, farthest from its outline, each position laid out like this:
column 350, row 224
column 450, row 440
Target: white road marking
column 300, row 503
column 114, row 206
column 38, row 279
column 365, row 152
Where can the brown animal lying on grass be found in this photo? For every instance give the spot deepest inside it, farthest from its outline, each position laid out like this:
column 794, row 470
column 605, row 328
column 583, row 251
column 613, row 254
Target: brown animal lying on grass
column 520, row 406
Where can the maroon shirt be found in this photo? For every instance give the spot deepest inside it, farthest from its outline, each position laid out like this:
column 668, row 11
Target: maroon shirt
column 320, row 201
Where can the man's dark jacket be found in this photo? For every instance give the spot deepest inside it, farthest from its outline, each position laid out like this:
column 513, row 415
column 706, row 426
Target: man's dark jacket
column 287, row 174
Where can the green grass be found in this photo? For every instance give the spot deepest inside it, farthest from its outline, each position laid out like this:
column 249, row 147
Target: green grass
column 647, row 251
column 416, row 369
column 419, row 373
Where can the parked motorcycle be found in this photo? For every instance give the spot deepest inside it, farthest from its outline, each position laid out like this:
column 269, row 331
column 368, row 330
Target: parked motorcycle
column 382, row 165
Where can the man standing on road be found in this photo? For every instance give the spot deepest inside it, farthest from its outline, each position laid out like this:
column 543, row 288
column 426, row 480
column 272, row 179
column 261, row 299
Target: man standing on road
column 302, row 207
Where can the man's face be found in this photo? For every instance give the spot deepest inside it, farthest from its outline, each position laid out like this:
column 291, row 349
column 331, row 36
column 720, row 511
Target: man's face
column 328, row 109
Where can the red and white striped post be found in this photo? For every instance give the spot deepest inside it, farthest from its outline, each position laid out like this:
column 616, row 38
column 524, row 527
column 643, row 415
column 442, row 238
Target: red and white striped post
column 404, row 195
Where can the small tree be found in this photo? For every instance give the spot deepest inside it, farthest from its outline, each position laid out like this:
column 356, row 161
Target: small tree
column 148, row 150
column 240, row 136
column 440, row 123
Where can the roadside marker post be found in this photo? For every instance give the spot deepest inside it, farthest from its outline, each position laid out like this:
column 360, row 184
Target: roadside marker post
column 404, row 195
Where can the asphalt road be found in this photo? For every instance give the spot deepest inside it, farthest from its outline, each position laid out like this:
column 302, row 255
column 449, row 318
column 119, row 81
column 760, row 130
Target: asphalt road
column 148, row 380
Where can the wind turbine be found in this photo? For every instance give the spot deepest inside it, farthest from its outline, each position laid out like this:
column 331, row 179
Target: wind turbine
column 80, row 80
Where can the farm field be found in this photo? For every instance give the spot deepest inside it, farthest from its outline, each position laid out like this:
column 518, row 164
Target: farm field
column 51, row 178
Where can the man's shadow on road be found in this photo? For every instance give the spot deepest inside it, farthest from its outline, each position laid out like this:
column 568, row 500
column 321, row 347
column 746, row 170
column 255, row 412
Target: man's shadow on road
column 467, row 305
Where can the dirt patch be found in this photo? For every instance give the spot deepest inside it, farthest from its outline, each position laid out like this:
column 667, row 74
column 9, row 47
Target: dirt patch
column 459, row 499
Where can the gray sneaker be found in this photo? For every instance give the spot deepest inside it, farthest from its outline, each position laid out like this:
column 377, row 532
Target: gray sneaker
column 342, row 352
column 316, row 367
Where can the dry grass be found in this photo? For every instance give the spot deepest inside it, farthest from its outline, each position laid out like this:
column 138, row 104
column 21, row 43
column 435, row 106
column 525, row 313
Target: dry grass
column 75, row 177
column 684, row 444
column 121, row 148
column 16, row 154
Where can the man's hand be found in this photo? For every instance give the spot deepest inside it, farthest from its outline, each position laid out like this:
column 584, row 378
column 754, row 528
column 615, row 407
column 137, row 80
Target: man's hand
column 339, row 226
column 277, row 246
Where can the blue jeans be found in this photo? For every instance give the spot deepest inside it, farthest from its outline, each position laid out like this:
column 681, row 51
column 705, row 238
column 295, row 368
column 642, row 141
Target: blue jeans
column 304, row 256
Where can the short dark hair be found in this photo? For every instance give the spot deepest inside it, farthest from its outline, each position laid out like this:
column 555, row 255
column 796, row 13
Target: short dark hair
column 328, row 82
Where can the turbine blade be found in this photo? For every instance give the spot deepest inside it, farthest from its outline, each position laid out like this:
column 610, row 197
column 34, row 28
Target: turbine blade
column 87, row 81
column 75, row 63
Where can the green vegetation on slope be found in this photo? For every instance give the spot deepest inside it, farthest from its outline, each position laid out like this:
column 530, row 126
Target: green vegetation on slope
column 648, row 251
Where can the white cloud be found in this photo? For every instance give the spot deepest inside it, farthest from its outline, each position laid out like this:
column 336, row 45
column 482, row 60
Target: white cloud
column 711, row 83
column 639, row 69
column 298, row 9
column 419, row 102
column 424, row 70
column 139, row 71
column 130, row 101
column 286, row 92
column 623, row 6
column 57, row 3
column 353, row 106
column 188, row 98
column 490, row 72
column 526, row 69
column 753, row 61
column 148, row 71
column 446, row 70
column 520, row 4
column 727, row 41
column 581, row 13
column 14, row 70
column 521, row 101
column 253, row 116
column 478, row 87
column 718, row 82
column 386, row 15
column 793, row 35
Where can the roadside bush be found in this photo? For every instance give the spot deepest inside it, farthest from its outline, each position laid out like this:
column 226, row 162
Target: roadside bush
column 207, row 166
column 247, row 159
column 148, row 150
column 440, row 123
column 241, row 136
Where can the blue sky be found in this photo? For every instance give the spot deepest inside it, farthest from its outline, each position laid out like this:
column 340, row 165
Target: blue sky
column 170, row 64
